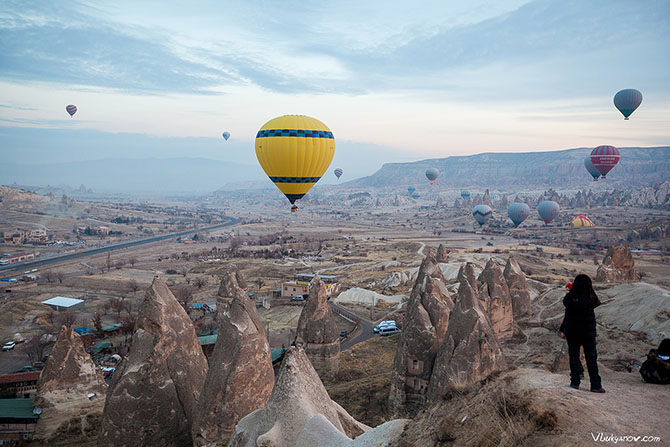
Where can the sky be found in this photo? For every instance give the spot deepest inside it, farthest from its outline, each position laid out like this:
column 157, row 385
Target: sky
column 394, row 81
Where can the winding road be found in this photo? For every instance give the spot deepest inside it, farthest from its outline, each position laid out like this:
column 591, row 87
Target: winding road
column 97, row 251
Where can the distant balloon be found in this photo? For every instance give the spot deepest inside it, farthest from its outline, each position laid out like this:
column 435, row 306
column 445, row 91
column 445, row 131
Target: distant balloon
column 226, row 135
column 71, row 109
column 432, row 174
column 294, row 151
column 592, row 169
column 518, row 212
column 627, row 101
column 482, row 214
column 411, row 190
column 581, row 221
column 604, row 158
column 548, row 210
column 415, row 195
column 338, row 172
column 465, row 194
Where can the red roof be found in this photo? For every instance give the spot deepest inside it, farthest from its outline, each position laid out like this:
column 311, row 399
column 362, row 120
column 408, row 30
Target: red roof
column 20, row 377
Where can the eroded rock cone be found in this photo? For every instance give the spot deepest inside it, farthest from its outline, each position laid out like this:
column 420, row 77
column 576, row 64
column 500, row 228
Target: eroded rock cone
column 63, row 390
column 494, row 291
column 298, row 396
column 486, row 200
column 240, row 376
column 518, row 289
column 232, row 280
column 470, row 351
column 442, row 254
column 426, row 323
column 618, row 266
column 154, row 392
column 317, row 330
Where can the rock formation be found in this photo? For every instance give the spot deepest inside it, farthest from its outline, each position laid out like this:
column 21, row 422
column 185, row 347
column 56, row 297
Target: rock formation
column 518, row 289
column 494, row 292
column 297, row 397
column 486, row 200
column 63, row 391
column 231, row 281
column 240, row 375
column 470, row 351
column 317, row 330
column 618, row 266
column 442, row 254
column 155, row 390
column 426, row 322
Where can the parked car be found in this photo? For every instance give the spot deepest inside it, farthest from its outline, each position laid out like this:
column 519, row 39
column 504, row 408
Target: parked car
column 298, row 298
column 8, row 346
column 388, row 331
column 384, row 324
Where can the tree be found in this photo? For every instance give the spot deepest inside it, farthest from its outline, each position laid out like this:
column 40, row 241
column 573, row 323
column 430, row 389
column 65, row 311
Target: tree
column 117, row 305
column 132, row 261
column 48, row 275
column 109, row 261
column 36, row 348
column 200, row 282
column 60, row 276
column 96, row 319
column 183, row 294
column 118, row 265
column 66, row 318
column 133, row 285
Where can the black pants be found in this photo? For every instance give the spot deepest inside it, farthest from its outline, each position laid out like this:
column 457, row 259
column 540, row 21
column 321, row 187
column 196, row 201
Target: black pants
column 591, row 355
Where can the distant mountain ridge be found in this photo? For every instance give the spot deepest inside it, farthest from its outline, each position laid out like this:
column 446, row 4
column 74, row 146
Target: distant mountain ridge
column 565, row 168
column 156, row 175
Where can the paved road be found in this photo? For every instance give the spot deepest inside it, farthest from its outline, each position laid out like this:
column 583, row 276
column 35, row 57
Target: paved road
column 97, row 251
column 366, row 328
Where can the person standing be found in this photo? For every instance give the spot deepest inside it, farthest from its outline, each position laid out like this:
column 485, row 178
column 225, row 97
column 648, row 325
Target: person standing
column 579, row 327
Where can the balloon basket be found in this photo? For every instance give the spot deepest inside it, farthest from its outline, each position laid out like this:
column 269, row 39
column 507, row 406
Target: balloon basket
column 294, row 209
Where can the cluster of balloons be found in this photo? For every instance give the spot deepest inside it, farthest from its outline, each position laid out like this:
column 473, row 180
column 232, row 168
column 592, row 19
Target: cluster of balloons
column 518, row 212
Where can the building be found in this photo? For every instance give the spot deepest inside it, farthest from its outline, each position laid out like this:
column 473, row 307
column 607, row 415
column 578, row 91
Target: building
column 18, row 257
column 14, row 236
column 300, row 286
column 59, row 303
column 17, row 420
column 207, row 343
column 20, row 385
column 38, row 237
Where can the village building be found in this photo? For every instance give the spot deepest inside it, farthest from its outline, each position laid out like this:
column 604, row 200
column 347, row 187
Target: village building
column 17, row 420
column 300, row 285
column 21, row 385
column 61, row 303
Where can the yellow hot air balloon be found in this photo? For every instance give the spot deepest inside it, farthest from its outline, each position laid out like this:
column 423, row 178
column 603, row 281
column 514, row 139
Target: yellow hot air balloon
column 581, row 221
column 295, row 151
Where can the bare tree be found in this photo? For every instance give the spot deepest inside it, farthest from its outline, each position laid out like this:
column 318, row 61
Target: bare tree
column 48, row 275
column 183, row 294
column 183, row 270
column 109, row 261
column 133, row 285
column 200, row 282
column 66, row 318
column 119, row 265
column 132, row 261
column 96, row 319
column 36, row 349
column 117, row 305
column 60, row 276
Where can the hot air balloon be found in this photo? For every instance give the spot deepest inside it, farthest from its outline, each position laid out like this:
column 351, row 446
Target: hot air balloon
column 627, row 101
column 226, row 135
column 548, row 210
column 482, row 214
column 411, row 190
column 338, row 172
column 604, row 158
column 71, row 109
column 518, row 212
column 294, row 151
column 465, row 194
column 432, row 174
column 415, row 195
column 592, row 169
column 581, row 221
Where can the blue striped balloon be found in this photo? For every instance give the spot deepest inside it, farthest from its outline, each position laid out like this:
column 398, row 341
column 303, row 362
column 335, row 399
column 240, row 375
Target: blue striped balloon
column 71, row 109
column 338, row 172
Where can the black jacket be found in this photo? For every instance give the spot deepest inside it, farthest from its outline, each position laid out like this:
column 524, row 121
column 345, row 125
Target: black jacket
column 580, row 320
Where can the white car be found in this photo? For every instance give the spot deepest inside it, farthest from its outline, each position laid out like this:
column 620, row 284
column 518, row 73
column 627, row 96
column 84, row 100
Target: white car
column 8, row 346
